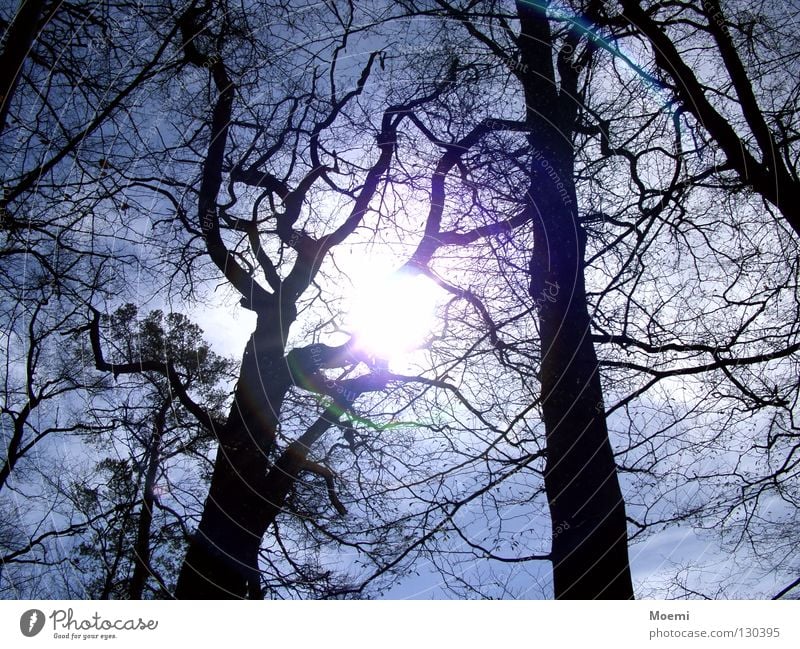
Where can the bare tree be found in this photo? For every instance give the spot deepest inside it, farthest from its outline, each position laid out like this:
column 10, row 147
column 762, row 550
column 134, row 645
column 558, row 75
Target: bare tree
column 614, row 314
column 155, row 439
column 645, row 188
column 742, row 92
column 589, row 540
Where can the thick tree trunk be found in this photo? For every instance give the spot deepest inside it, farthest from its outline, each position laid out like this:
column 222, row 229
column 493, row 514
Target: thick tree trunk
column 589, row 529
column 13, row 453
column 589, row 538
column 19, row 37
column 589, row 541
column 221, row 561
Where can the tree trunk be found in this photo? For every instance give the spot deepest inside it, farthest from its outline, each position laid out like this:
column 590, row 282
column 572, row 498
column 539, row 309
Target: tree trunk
column 221, row 561
column 21, row 33
column 589, row 542
column 589, row 538
column 589, row 529
column 13, row 452
column 141, row 548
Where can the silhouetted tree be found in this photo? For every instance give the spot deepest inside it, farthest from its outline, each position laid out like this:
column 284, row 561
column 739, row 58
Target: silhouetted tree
column 615, row 310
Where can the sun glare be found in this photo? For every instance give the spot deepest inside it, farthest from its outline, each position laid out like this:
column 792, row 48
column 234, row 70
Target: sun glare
column 392, row 316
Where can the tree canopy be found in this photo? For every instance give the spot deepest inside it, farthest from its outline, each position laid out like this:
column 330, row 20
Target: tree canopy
column 348, row 300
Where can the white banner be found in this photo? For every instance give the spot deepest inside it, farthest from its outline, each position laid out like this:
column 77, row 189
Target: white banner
column 401, row 624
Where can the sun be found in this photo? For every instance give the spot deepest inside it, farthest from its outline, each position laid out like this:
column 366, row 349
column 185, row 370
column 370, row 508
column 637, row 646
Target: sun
column 393, row 315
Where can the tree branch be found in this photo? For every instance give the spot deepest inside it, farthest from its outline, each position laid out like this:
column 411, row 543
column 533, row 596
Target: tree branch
column 164, row 368
column 328, row 475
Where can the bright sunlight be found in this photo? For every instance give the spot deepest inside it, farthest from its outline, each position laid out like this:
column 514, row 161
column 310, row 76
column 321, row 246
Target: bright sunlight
column 393, row 315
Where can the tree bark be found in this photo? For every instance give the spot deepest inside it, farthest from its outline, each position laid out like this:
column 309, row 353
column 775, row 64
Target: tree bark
column 221, row 561
column 13, row 451
column 589, row 529
column 21, row 33
column 247, row 491
column 141, row 549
